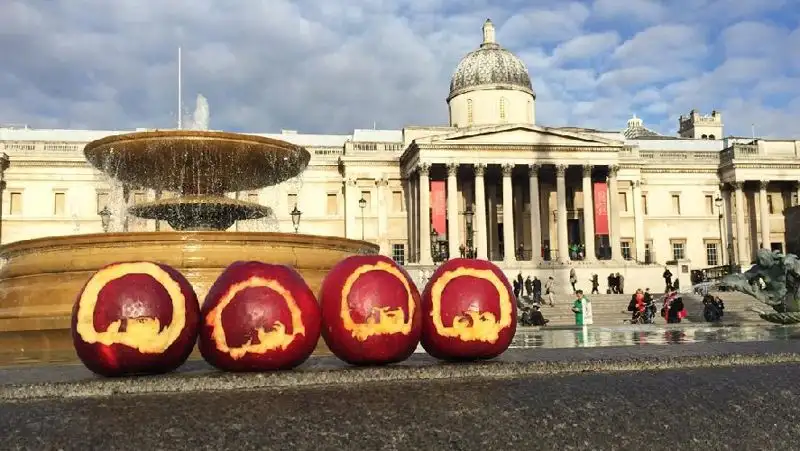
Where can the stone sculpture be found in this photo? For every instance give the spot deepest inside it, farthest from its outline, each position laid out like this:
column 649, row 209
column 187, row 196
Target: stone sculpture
column 774, row 280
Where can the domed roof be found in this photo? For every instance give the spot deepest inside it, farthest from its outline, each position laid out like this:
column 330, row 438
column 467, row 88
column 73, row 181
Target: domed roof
column 490, row 67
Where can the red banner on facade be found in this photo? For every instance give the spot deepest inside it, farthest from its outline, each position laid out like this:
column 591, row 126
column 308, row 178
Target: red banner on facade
column 439, row 207
column 600, row 208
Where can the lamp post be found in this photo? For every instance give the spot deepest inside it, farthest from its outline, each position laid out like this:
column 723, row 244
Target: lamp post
column 105, row 218
column 434, row 245
column 469, row 215
column 362, row 204
column 718, row 203
column 296, row 218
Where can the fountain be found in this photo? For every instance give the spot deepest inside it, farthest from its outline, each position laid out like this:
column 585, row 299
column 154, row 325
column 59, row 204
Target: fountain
column 40, row 278
column 773, row 280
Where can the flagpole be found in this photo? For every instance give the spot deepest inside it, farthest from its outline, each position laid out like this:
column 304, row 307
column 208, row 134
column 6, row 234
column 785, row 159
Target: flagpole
column 180, row 93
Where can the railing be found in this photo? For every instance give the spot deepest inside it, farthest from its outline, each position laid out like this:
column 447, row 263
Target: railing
column 739, row 152
column 40, row 147
column 374, row 147
column 675, row 156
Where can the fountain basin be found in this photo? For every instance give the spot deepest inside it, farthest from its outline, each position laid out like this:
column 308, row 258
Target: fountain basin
column 200, row 212
column 40, row 278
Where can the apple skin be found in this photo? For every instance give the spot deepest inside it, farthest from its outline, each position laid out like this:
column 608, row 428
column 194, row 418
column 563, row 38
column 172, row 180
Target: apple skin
column 462, row 292
column 375, row 282
column 113, row 320
column 249, row 324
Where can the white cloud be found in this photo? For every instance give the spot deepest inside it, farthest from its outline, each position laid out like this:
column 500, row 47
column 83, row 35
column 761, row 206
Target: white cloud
column 336, row 65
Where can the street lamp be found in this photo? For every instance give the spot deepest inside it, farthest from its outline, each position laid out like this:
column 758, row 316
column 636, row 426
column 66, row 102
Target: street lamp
column 434, row 245
column 105, row 218
column 362, row 204
column 296, row 218
column 718, row 203
column 469, row 216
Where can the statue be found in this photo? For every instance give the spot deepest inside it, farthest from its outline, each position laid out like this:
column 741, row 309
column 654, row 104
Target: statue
column 773, row 280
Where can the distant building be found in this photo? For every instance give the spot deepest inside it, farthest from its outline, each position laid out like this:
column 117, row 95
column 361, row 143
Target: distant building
column 696, row 200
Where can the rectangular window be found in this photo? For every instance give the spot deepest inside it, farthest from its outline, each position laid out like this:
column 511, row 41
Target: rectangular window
column 712, row 253
column 678, row 249
column 139, row 198
column 59, row 204
column 794, row 198
column 399, row 253
column 709, row 203
column 644, row 204
column 623, row 201
column 332, row 207
column 102, row 201
column 15, row 203
column 625, row 248
column 676, row 204
column 291, row 201
column 398, row 204
column 648, row 253
column 367, row 196
column 770, row 205
column 252, row 197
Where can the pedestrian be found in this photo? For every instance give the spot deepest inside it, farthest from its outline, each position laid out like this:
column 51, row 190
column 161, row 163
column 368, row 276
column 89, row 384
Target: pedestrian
column 549, row 288
column 573, row 279
column 582, row 308
column 667, row 275
column 537, row 289
column 595, row 284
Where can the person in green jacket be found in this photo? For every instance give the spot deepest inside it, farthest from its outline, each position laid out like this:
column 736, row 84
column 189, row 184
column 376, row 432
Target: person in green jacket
column 582, row 308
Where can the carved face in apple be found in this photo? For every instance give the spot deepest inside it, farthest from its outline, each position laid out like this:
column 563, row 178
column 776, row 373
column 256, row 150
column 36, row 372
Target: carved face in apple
column 469, row 311
column 135, row 318
column 370, row 311
column 259, row 317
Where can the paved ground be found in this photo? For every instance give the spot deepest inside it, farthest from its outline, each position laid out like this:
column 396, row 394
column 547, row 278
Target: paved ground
column 689, row 396
column 710, row 408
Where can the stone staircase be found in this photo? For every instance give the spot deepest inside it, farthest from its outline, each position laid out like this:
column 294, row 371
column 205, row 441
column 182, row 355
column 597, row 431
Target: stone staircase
column 611, row 309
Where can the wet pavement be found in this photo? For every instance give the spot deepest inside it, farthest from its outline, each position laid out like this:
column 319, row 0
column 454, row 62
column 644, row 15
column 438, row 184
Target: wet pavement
column 693, row 396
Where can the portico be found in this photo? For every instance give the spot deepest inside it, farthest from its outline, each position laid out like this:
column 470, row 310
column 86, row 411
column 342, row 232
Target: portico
column 529, row 188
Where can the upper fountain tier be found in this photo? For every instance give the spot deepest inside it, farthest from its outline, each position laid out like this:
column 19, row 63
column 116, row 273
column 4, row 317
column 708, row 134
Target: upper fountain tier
column 194, row 162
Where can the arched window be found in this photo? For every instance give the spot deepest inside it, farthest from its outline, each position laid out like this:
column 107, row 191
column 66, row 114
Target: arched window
column 711, row 137
column 704, row 137
column 469, row 112
column 503, row 109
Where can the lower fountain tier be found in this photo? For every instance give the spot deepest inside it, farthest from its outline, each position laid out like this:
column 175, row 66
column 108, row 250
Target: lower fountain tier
column 40, row 279
column 200, row 212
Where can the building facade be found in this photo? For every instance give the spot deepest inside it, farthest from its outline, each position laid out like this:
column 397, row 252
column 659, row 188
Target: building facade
column 492, row 183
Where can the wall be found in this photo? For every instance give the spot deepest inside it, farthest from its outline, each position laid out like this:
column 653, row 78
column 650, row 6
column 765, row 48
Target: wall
column 520, row 108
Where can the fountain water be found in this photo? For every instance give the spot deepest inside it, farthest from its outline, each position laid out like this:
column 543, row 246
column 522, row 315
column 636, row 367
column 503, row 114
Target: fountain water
column 40, row 278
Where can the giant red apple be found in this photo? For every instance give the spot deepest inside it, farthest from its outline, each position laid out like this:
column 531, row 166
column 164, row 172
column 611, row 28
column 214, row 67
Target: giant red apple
column 370, row 311
column 135, row 318
column 468, row 311
column 259, row 317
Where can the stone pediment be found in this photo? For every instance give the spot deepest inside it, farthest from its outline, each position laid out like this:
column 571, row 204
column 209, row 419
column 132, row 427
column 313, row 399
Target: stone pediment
column 520, row 135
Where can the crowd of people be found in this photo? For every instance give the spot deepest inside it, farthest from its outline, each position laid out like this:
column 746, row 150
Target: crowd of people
column 532, row 293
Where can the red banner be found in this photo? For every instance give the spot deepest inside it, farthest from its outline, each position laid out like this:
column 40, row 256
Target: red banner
column 600, row 208
column 439, row 207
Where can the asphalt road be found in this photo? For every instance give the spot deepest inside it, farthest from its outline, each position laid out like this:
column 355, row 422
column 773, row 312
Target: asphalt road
column 752, row 407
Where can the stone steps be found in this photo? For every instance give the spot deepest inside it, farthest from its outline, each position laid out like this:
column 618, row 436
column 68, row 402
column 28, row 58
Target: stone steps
column 609, row 310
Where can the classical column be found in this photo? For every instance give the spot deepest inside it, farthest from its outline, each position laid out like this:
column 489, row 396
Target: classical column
column 763, row 205
column 508, row 215
column 415, row 218
column 638, row 220
column 561, row 213
column 424, row 215
column 536, row 213
column 453, row 242
column 743, row 256
column 491, row 225
column 383, row 218
column 727, row 218
column 613, row 213
column 588, row 214
column 350, row 209
column 480, row 222
column 409, row 219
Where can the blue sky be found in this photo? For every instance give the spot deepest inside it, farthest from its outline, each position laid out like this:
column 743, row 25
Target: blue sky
column 329, row 67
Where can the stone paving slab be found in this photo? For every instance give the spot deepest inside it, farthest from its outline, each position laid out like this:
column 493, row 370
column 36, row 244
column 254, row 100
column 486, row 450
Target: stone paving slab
column 74, row 381
column 702, row 408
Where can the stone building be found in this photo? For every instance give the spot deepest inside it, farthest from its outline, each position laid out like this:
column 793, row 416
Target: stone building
column 493, row 182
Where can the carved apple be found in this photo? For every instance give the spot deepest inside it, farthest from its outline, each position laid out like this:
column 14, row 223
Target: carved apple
column 135, row 318
column 259, row 317
column 370, row 311
column 468, row 311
